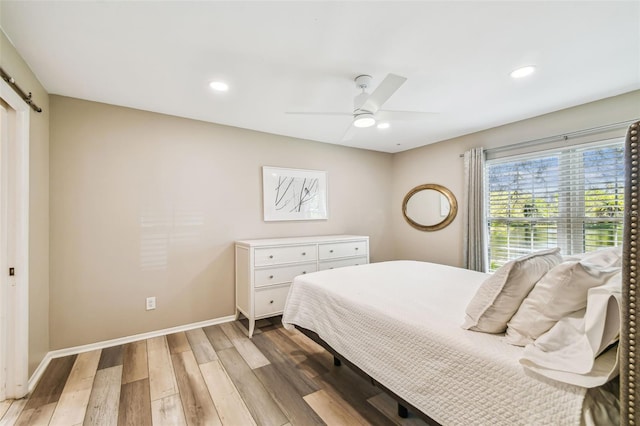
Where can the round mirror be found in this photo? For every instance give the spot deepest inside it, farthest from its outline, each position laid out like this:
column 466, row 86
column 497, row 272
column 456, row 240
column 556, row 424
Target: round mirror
column 429, row 207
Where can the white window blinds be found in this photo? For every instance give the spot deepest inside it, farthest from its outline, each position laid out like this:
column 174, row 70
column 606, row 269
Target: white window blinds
column 570, row 198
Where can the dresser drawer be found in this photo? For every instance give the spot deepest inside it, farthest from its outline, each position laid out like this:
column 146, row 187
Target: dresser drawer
column 281, row 274
column 346, row 249
column 333, row 264
column 270, row 300
column 289, row 254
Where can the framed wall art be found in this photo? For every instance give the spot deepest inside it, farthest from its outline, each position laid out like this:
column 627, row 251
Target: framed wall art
column 294, row 194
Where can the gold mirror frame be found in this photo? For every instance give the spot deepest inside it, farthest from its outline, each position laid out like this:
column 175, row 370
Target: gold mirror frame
column 629, row 354
column 453, row 204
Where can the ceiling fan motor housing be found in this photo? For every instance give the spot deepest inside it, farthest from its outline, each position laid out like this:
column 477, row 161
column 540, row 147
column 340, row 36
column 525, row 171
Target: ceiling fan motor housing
column 362, row 82
column 358, row 101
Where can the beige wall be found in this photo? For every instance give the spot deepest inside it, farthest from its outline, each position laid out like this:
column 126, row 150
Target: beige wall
column 12, row 64
column 441, row 163
column 144, row 204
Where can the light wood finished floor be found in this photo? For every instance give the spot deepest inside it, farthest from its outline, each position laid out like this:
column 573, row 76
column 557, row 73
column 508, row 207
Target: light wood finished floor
column 207, row 376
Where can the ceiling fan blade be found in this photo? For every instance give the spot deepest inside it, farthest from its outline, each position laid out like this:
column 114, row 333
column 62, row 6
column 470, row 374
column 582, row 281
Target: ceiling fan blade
column 383, row 92
column 388, row 114
column 399, row 111
column 349, row 133
column 317, row 113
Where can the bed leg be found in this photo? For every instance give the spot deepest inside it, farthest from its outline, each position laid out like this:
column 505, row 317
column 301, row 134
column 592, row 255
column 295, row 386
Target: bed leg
column 337, row 362
column 402, row 411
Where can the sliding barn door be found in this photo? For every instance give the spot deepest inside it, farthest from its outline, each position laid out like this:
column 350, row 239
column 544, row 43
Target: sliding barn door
column 14, row 292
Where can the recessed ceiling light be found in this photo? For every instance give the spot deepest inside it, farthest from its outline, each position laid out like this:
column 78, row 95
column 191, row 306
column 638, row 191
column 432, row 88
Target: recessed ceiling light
column 384, row 125
column 219, row 86
column 523, row 72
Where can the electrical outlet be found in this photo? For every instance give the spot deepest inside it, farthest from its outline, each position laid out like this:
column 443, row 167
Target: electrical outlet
column 151, row 303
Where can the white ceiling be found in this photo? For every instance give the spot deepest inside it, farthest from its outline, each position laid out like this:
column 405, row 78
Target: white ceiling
column 303, row 56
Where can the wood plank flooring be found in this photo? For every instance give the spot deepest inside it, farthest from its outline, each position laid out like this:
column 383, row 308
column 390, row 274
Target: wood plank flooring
column 207, row 376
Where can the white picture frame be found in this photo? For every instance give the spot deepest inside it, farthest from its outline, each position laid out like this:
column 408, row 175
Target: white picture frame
column 294, row 194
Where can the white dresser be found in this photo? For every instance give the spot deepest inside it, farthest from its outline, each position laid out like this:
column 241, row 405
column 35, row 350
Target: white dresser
column 265, row 268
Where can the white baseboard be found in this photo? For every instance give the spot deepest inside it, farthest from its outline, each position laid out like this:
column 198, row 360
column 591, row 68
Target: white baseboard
column 37, row 374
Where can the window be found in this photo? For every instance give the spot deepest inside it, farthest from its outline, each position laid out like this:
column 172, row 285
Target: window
column 572, row 198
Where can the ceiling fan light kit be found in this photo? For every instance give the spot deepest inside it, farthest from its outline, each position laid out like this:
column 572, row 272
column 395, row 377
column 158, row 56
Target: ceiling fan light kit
column 364, row 119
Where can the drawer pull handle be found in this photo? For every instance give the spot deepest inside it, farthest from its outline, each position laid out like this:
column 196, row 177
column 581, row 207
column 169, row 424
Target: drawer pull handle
column 356, row 248
column 271, row 257
column 330, row 251
column 270, row 277
column 271, row 301
column 304, row 272
column 304, row 254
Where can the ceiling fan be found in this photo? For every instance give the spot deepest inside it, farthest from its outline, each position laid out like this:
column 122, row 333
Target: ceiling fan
column 367, row 106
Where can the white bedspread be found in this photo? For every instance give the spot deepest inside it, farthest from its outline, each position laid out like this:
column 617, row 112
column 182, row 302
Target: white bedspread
column 400, row 323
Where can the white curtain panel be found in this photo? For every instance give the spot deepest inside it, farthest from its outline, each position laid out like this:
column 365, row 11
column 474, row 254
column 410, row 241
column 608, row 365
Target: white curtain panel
column 475, row 245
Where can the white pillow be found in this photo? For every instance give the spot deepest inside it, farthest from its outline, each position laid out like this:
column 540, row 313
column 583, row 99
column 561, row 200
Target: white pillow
column 606, row 257
column 562, row 291
column 500, row 295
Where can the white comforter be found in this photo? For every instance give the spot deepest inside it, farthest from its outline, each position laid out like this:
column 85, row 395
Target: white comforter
column 400, row 323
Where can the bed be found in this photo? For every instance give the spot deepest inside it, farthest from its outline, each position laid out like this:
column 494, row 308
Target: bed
column 399, row 323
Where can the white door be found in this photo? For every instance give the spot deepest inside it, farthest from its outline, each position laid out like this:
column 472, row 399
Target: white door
column 4, row 280
column 14, row 280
